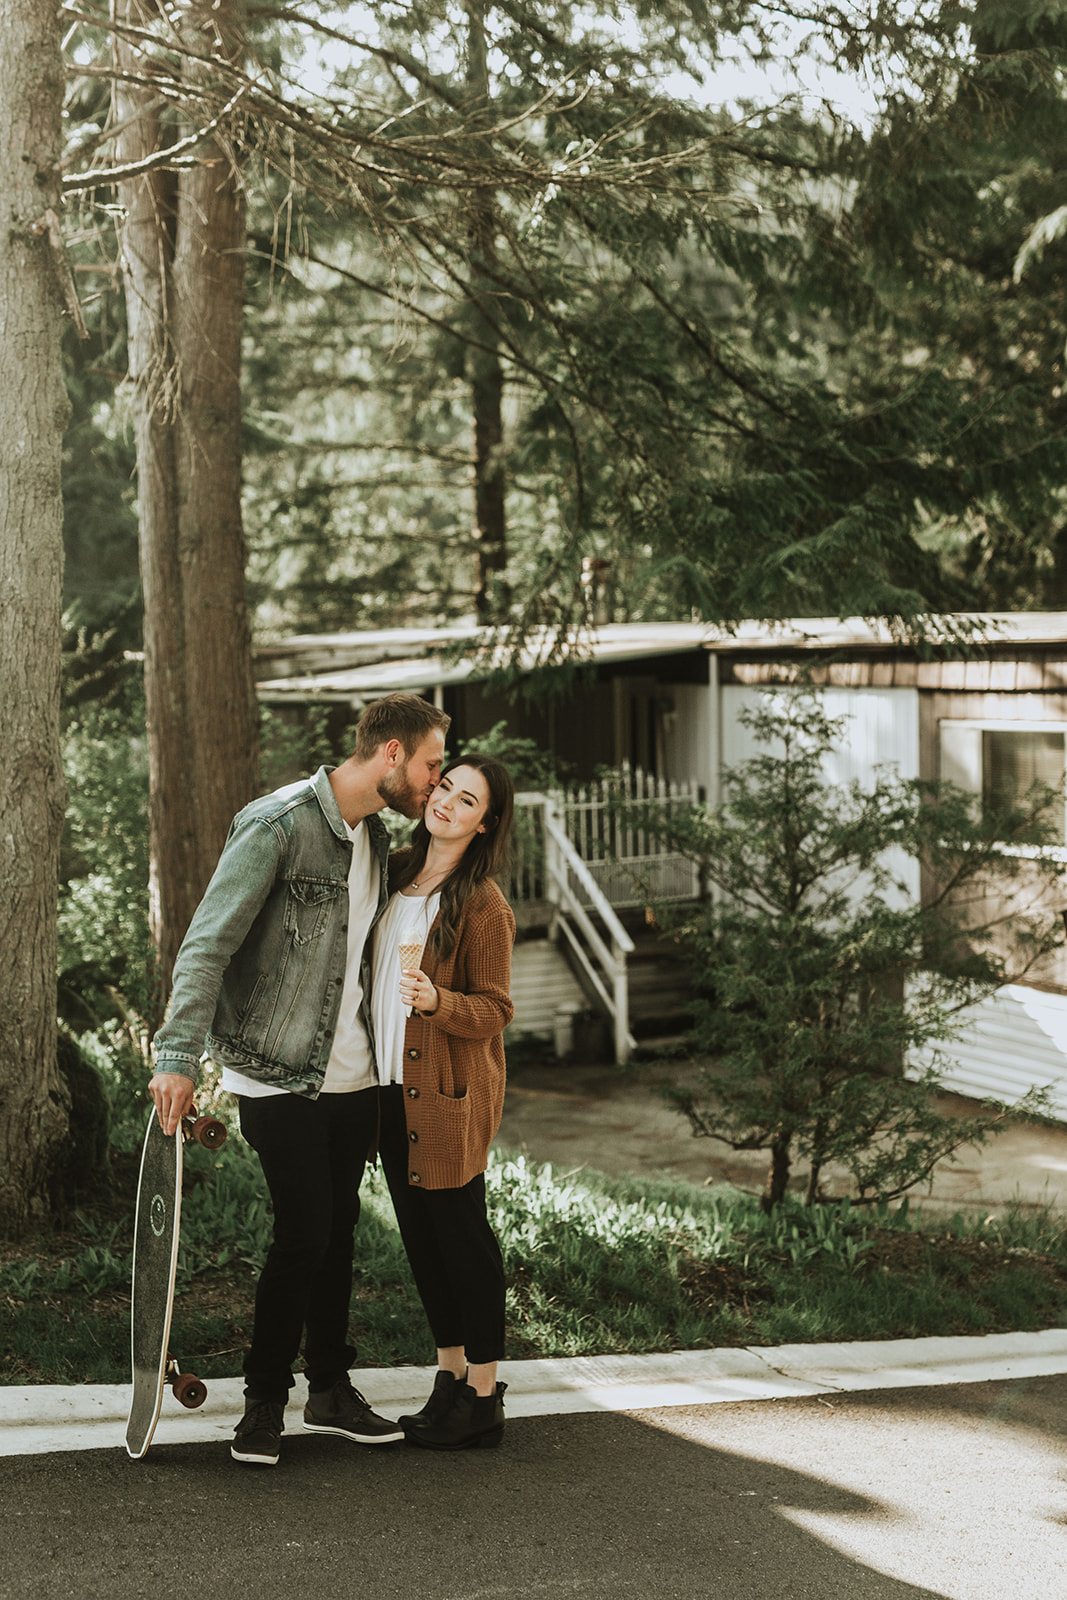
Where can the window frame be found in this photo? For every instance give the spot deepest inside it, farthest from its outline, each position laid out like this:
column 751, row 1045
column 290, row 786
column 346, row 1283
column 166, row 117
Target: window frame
column 980, row 725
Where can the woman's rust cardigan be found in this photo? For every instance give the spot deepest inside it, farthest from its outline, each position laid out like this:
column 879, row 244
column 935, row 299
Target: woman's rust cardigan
column 454, row 1059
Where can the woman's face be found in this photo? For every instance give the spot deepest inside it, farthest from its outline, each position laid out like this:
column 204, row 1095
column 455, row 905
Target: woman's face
column 455, row 811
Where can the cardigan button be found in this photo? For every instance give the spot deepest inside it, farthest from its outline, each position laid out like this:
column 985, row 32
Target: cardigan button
column 413, row 1136
column 413, row 1094
column 414, row 1055
column 415, row 1177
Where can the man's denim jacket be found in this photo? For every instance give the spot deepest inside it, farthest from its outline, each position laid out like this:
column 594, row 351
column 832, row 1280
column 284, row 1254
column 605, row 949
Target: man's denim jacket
column 259, row 976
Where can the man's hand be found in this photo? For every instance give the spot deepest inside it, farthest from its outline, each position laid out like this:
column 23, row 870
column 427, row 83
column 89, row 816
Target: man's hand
column 173, row 1094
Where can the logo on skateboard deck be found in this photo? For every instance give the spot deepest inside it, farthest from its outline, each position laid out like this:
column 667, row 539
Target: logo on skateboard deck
column 157, row 1215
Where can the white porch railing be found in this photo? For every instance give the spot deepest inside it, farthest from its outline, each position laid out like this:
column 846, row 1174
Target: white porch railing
column 579, row 860
column 631, row 865
column 574, row 893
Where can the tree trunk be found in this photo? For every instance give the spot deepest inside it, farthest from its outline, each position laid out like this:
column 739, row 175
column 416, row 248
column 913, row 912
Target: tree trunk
column 490, row 519
column 485, row 373
column 183, row 259
column 813, row 1191
column 778, row 1175
column 33, row 1102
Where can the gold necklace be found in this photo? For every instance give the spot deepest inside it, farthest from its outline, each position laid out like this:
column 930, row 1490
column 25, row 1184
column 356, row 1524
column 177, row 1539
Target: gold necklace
column 418, row 883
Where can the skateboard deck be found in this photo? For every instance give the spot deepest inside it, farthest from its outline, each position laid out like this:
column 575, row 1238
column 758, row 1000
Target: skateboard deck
column 155, row 1262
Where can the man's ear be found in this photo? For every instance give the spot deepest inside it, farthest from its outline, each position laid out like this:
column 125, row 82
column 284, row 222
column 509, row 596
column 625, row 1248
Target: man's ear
column 393, row 751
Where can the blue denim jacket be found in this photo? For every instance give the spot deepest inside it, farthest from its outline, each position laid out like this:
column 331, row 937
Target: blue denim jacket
column 259, row 976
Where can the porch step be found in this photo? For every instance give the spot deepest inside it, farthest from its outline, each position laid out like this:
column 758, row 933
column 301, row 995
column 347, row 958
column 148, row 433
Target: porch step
column 541, row 982
column 660, row 992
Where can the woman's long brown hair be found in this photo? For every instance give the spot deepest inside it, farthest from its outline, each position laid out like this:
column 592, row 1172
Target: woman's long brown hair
column 486, row 855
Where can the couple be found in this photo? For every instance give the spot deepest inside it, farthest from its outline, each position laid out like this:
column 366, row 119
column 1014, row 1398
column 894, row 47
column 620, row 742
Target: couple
column 274, row 980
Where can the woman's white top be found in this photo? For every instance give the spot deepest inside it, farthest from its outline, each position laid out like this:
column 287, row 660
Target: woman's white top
column 407, row 919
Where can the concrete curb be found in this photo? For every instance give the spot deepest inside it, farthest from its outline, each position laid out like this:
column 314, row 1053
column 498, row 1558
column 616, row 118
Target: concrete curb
column 39, row 1419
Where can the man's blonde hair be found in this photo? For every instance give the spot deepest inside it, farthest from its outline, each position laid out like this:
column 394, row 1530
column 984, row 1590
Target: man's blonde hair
column 407, row 717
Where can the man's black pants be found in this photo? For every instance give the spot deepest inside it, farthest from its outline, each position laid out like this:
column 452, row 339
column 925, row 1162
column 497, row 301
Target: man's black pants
column 313, row 1153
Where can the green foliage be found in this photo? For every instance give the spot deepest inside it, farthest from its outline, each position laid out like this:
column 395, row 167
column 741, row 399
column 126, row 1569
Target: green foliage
column 950, row 184
column 819, row 972
column 762, row 364
column 529, row 765
column 595, row 1266
column 294, row 743
column 83, row 1154
column 702, row 385
column 104, row 945
column 100, row 578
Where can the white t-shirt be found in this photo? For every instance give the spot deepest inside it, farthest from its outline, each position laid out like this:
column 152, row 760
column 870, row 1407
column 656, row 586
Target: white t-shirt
column 351, row 1063
column 407, row 919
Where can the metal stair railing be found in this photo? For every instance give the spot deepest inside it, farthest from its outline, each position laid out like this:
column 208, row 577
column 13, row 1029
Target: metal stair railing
column 574, row 893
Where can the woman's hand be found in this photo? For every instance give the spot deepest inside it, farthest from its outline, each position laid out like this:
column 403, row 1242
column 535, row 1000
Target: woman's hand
column 416, row 990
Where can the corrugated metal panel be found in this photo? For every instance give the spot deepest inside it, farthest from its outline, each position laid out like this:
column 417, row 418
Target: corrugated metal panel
column 1013, row 1041
column 541, row 981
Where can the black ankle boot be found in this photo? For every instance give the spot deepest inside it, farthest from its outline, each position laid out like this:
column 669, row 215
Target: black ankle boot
column 437, row 1406
column 472, row 1421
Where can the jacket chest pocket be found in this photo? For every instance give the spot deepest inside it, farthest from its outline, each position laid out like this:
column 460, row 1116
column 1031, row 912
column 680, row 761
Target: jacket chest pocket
column 308, row 903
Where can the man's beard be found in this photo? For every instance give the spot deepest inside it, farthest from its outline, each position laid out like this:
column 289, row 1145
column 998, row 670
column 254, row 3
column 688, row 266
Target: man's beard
column 400, row 794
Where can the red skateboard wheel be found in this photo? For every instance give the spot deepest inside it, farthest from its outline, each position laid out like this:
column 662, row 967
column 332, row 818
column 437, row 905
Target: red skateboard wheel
column 209, row 1132
column 189, row 1390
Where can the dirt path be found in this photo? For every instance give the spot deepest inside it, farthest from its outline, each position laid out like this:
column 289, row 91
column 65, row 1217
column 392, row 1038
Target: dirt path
column 599, row 1116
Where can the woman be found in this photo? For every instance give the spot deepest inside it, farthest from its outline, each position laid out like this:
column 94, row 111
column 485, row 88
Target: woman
column 438, row 1025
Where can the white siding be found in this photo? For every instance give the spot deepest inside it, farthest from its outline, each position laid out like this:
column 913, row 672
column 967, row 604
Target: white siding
column 687, row 731
column 881, row 730
column 1014, row 1041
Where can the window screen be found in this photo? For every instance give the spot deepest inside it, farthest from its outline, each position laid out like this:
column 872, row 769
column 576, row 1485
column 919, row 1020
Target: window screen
column 1012, row 761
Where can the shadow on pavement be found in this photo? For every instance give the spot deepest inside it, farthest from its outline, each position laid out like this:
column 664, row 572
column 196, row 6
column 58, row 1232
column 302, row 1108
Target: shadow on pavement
column 922, row 1494
column 966, row 1484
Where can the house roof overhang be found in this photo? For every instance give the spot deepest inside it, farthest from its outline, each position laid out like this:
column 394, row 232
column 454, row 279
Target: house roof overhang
column 354, row 668
column 369, row 665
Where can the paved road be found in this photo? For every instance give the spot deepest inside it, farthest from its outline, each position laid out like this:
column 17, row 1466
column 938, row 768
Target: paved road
column 906, row 1494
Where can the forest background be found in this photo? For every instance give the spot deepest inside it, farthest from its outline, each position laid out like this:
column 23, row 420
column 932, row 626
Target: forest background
column 397, row 315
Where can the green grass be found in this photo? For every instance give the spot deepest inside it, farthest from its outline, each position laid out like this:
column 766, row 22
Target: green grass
column 595, row 1266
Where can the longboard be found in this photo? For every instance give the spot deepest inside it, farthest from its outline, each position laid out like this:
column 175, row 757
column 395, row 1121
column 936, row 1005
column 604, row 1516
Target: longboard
column 155, row 1263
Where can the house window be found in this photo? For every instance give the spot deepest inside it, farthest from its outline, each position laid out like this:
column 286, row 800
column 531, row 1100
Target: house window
column 1000, row 762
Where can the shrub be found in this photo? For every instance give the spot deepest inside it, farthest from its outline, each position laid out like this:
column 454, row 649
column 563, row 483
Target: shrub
column 819, row 974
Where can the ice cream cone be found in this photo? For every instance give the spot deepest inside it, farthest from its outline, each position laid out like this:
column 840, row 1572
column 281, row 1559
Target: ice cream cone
column 410, row 954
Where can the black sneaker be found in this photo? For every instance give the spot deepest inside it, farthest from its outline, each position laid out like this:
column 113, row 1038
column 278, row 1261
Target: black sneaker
column 258, row 1435
column 344, row 1411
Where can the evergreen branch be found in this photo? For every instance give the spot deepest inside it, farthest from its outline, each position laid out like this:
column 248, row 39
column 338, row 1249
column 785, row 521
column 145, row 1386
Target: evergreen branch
column 440, row 150
column 96, row 177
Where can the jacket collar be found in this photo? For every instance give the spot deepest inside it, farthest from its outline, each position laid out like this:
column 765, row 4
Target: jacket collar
column 324, row 794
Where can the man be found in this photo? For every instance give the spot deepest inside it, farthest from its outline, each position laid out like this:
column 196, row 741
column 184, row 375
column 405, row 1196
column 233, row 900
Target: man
column 272, row 977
